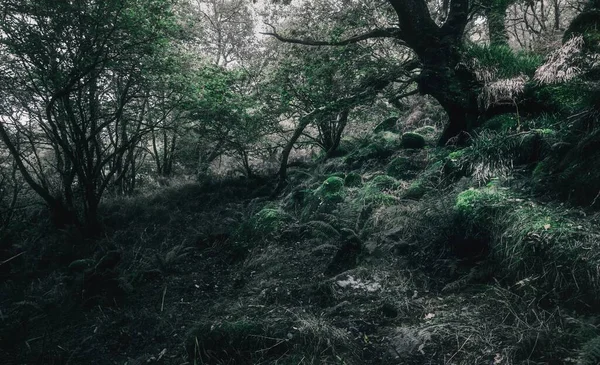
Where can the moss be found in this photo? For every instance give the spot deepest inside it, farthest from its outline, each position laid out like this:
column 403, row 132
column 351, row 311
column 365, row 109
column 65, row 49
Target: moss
column 564, row 98
column 413, row 140
column 539, row 171
column 353, row 179
column 375, row 197
column 456, row 155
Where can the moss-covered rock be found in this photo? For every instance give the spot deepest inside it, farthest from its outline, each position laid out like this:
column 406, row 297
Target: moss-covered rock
column 415, row 191
column 353, row 179
column 269, row 220
column 383, row 182
column 332, row 190
column 428, row 132
column 380, row 146
column 472, row 201
column 412, row 140
column 402, row 168
column 378, row 191
column 502, row 122
column 388, row 125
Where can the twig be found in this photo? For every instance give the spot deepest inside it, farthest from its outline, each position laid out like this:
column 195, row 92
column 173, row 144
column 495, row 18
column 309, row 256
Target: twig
column 456, row 353
column 162, row 305
column 12, row 258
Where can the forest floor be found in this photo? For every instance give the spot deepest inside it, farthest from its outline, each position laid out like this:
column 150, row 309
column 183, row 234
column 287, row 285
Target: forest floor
column 367, row 273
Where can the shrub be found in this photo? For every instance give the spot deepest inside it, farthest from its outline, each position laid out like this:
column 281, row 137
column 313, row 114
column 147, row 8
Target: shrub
column 413, row 140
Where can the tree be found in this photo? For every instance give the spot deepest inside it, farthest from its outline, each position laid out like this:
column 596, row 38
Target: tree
column 438, row 44
column 72, row 74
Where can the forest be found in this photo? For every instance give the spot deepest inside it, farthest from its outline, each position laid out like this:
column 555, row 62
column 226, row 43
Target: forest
column 300, row 182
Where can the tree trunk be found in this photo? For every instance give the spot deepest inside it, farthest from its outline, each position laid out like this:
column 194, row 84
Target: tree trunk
column 496, row 18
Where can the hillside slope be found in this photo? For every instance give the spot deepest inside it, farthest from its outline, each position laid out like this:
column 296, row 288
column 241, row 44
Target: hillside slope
column 389, row 255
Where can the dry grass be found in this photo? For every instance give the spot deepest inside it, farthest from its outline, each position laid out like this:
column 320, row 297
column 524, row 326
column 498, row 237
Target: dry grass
column 563, row 64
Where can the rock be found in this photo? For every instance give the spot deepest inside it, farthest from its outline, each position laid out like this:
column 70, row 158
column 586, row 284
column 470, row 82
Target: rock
column 412, row 140
column 388, row 125
column 388, row 310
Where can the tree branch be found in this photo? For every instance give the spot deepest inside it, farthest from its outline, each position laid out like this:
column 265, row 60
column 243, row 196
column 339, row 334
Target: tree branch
column 376, row 33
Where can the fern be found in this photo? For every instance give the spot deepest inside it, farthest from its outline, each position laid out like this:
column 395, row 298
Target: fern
column 590, row 352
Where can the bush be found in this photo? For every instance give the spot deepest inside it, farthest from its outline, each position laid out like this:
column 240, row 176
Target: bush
column 413, row 140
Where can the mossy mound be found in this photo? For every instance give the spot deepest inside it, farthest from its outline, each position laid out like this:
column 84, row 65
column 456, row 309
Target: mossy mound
column 353, row 180
column 502, row 122
column 412, row 140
